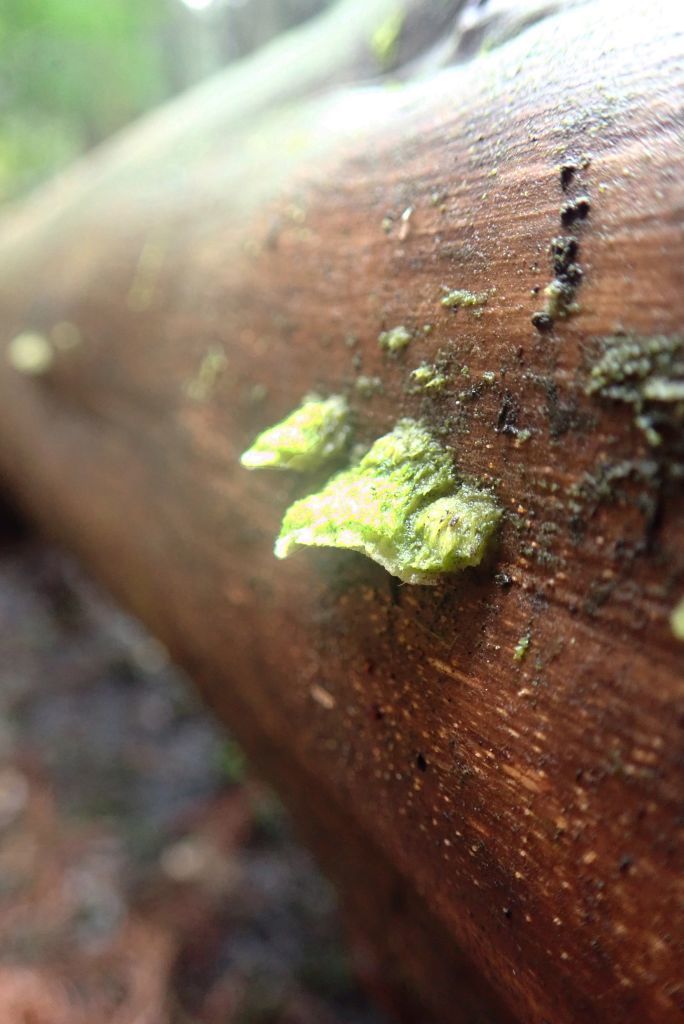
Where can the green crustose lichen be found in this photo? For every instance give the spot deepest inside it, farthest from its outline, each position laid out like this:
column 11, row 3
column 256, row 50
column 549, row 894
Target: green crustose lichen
column 428, row 377
column 462, row 298
column 395, row 339
column 312, row 435
column 646, row 373
column 521, row 648
column 401, row 505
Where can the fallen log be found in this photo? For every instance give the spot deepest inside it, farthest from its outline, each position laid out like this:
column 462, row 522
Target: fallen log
column 490, row 767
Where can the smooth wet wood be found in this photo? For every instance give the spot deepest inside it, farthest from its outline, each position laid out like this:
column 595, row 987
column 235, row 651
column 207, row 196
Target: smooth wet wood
column 505, row 830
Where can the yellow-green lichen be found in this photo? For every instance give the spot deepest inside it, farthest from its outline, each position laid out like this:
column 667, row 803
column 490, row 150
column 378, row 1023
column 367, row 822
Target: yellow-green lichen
column 461, row 298
column 401, row 505
column 521, row 648
column 395, row 339
column 677, row 620
column 312, row 435
column 30, row 353
column 428, row 377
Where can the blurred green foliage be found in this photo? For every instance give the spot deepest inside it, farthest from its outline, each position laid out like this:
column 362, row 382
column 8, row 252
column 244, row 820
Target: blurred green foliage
column 72, row 72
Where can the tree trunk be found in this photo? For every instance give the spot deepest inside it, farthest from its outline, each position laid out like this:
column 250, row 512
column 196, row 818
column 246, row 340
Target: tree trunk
column 489, row 767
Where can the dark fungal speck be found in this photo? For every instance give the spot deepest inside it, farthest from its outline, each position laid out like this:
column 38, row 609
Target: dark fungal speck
column 542, row 321
column 421, row 763
column 567, row 173
column 564, row 252
column 575, row 209
column 574, row 273
column 507, row 419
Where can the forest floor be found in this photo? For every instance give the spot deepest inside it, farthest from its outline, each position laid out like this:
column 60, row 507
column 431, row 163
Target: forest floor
column 144, row 877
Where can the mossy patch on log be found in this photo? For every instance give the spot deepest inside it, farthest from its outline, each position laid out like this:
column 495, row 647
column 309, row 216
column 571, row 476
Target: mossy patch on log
column 647, row 374
column 312, row 435
column 402, row 506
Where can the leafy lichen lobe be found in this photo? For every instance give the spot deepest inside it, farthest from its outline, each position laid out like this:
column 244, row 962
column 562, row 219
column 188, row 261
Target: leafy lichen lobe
column 402, row 506
column 312, row 435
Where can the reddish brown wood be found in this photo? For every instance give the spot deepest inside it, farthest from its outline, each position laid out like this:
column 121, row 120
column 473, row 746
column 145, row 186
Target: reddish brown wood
column 506, row 832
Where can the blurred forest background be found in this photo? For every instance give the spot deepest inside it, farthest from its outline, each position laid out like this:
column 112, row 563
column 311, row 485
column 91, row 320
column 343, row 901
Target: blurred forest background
column 73, row 72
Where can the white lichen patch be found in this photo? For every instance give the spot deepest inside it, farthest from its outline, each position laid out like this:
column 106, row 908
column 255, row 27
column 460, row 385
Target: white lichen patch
column 401, row 505
column 30, row 353
column 395, row 339
column 312, row 435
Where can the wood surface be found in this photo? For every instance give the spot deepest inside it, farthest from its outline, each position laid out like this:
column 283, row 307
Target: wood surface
column 504, row 829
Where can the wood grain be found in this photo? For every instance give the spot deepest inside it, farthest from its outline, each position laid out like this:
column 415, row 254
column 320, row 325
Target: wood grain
column 505, row 831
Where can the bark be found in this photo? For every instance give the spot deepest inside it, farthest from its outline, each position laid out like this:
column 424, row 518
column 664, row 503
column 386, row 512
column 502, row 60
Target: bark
column 490, row 768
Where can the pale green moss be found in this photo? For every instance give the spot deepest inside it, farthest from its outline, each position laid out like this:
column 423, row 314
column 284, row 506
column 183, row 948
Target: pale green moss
column 395, row 339
column 428, row 377
column 312, row 435
column 677, row 620
column 461, row 298
column 30, row 353
column 402, row 506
